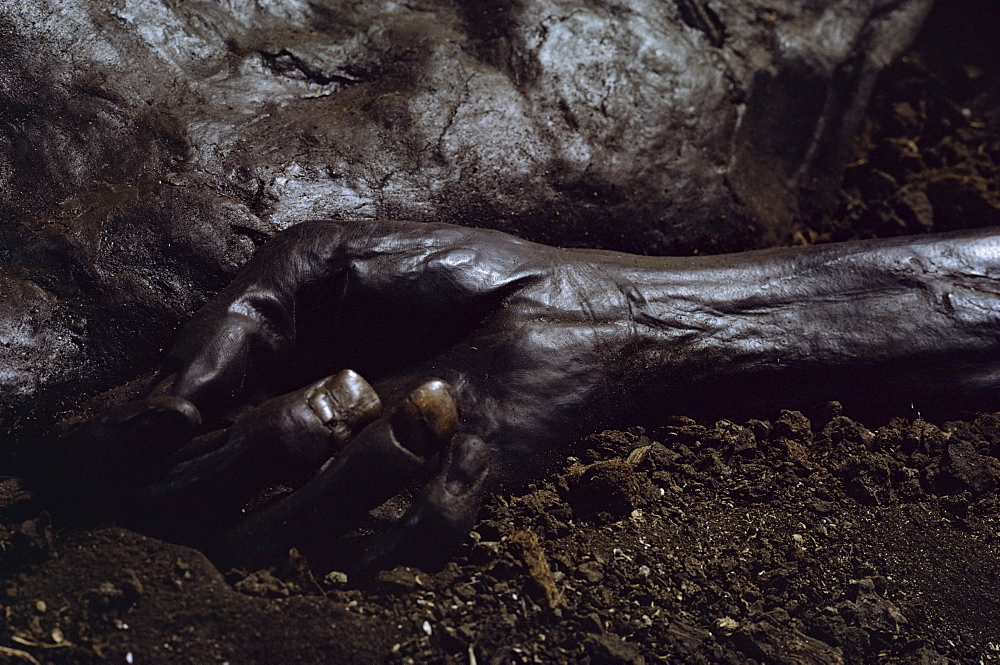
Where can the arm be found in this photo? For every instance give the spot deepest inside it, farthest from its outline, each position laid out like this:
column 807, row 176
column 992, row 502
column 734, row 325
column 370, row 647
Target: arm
column 524, row 347
column 918, row 315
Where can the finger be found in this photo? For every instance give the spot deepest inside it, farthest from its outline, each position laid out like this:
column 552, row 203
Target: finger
column 306, row 427
column 211, row 359
column 372, row 468
column 284, row 440
column 440, row 518
column 131, row 440
column 249, row 328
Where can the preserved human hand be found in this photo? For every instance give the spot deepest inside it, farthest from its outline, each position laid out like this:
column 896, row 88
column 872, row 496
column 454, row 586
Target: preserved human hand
column 485, row 347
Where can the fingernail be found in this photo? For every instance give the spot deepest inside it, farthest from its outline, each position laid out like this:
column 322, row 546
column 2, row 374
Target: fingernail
column 426, row 419
column 470, row 462
column 344, row 403
column 177, row 405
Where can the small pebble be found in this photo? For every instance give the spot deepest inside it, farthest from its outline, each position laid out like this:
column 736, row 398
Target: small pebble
column 591, row 571
column 727, row 623
column 335, row 578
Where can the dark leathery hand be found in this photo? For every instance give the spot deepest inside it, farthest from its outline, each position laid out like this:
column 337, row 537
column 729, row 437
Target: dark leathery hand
column 525, row 347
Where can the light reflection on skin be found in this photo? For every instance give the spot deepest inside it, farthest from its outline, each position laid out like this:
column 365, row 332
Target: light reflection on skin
column 532, row 346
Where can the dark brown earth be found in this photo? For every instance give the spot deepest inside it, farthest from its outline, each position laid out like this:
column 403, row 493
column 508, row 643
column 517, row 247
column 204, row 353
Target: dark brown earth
column 793, row 539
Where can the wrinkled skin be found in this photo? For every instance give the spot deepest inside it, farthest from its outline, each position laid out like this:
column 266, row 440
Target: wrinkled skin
column 147, row 147
column 486, row 347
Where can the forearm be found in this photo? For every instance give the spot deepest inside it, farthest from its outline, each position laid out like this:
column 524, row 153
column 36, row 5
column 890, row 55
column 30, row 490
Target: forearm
column 926, row 308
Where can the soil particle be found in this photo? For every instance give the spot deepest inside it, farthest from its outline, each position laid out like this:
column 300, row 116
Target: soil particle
column 773, row 640
column 264, row 584
column 964, row 469
column 525, row 545
column 609, row 648
column 608, row 488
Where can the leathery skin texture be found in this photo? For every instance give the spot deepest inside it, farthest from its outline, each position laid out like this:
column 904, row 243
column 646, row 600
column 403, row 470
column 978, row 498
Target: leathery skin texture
column 491, row 353
column 147, row 148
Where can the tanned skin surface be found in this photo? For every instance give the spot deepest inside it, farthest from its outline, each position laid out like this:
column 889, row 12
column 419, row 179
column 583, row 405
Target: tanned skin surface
column 489, row 354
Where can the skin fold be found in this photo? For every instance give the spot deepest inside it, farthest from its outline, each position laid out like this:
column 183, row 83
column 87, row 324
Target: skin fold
column 486, row 355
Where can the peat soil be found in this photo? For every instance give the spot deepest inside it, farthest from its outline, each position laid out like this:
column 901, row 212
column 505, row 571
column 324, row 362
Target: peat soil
column 784, row 541
column 788, row 540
